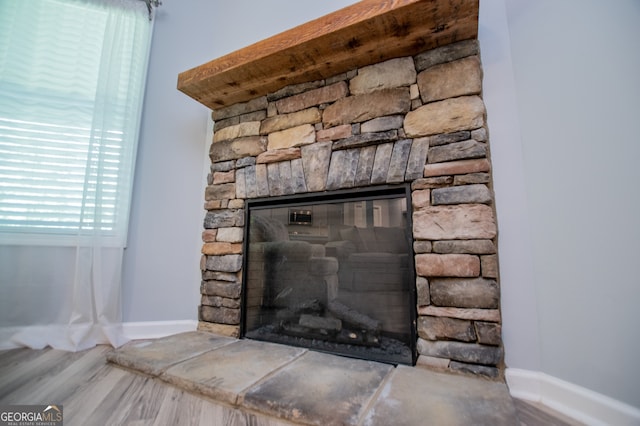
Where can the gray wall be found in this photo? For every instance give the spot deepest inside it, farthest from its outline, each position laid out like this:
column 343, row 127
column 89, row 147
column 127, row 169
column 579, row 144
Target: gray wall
column 575, row 91
column 561, row 88
column 160, row 274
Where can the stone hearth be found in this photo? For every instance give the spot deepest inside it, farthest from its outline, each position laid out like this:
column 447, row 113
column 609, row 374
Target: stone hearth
column 416, row 119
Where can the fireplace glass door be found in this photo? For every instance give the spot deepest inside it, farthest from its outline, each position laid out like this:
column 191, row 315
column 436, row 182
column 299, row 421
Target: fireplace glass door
column 332, row 273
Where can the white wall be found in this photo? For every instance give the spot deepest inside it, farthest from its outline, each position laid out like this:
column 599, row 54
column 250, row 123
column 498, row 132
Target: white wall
column 576, row 66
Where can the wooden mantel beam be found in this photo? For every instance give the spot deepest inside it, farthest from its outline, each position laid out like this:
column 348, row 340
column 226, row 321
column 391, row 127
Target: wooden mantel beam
column 365, row 33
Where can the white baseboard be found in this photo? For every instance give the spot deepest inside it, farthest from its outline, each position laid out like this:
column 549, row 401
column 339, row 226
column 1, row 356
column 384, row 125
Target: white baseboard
column 157, row 329
column 581, row 404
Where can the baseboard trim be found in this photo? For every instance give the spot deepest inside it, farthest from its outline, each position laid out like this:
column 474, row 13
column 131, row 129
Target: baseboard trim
column 156, row 329
column 581, row 404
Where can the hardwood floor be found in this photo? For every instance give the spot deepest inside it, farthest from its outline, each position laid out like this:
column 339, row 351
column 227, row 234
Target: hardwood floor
column 94, row 392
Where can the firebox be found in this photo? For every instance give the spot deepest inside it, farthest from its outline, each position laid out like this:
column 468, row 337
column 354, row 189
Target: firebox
column 332, row 272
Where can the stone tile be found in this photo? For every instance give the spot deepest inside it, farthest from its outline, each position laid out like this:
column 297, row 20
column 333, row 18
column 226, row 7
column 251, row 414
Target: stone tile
column 274, row 180
column 291, row 138
column 286, row 121
column 457, row 167
column 311, row 98
column 276, row 155
column 250, row 128
column 447, row 265
column 422, row 397
column 470, row 353
column 365, row 166
column 457, row 151
column 153, row 357
column 342, row 169
column 318, row 389
column 447, row 116
column 365, row 139
column 478, row 293
column 235, row 149
column 360, row 108
column 225, row 372
column 417, row 159
column 462, row 221
column 297, row 177
column 315, row 160
column 240, row 108
column 451, row 79
column 384, row 75
column 447, row 53
column 381, row 163
column 398, row 161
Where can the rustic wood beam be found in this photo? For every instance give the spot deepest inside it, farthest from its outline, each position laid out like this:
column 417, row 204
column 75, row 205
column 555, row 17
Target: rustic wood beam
column 367, row 32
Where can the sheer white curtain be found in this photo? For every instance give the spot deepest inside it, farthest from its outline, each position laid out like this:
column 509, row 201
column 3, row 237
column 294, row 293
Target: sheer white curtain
column 72, row 76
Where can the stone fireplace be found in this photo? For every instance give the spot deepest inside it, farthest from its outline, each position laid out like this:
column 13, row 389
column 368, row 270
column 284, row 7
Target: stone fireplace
column 401, row 113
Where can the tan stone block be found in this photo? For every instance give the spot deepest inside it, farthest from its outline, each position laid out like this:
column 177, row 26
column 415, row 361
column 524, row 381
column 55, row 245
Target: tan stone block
column 311, row 98
column 286, row 121
column 492, row 315
column 220, row 192
column 457, row 167
column 444, row 328
column 462, row 221
column 213, row 205
column 240, row 108
column 274, row 156
column 359, row 108
column 290, row 138
column 422, row 291
column 432, row 362
column 451, row 79
column 237, row 148
column 209, row 235
column 230, row 234
column 414, row 91
column 447, row 116
column 235, row 204
column 334, row 133
column 218, row 248
column 384, row 75
column 219, row 329
column 432, row 182
column 421, row 198
column 224, row 177
column 447, row 265
column 249, row 128
column 471, row 293
column 489, row 265
column 220, row 315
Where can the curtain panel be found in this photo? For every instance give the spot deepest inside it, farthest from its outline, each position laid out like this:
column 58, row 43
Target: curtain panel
column 72, row 75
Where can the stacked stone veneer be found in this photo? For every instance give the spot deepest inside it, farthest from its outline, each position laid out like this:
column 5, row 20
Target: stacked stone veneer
column 415, row 119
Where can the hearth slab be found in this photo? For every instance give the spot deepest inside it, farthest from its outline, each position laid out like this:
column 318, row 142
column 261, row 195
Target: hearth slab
column 319, row 389
column 414, row 396
column 306, row 387
column 225, row 372
column 153, row 357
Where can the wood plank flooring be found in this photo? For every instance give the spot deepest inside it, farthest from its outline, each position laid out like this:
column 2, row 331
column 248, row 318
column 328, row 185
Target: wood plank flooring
column 94, row 392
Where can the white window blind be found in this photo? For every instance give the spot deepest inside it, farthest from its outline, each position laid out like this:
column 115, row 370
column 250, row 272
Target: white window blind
column 72, row 78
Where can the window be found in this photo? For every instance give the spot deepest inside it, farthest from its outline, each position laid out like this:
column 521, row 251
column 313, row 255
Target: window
column 72, row 78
